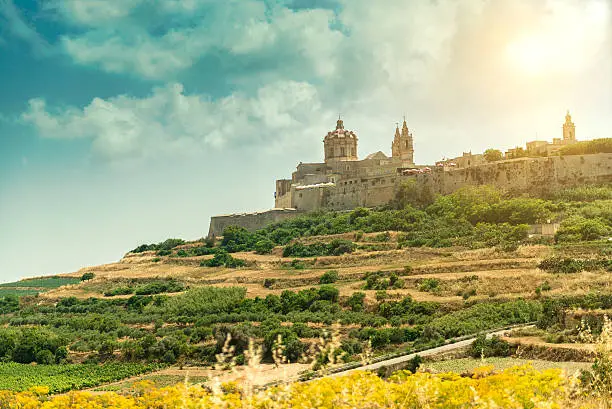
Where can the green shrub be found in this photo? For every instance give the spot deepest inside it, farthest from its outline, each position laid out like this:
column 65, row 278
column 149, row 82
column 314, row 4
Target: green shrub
column 561, row 265
column 222, row 258
column 119, row 291
column 579, row 228
column 329, row 277
column 356, row 301
column 264, row 246
column 429, row 285
column 88, row 276
column 489, row 347
column 336, row 247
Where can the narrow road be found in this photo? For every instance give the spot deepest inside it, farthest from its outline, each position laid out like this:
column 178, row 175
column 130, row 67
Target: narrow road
column 428, row 352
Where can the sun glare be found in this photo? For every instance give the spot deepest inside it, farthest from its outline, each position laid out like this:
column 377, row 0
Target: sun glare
column 530, row 54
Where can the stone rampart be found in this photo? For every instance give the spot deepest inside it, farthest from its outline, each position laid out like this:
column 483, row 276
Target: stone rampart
column 525, row 174
column 250, row 221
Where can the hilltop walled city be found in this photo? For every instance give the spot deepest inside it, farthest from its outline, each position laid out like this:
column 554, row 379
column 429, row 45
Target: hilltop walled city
column 343, row 181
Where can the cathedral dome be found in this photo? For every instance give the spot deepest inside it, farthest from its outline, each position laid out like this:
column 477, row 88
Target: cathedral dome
column 340, row 132
column 340, row 144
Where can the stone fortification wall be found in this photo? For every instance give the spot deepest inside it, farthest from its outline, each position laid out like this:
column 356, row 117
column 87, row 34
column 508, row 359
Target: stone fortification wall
column 525, row 174
column 250, row 221
column 353, row 184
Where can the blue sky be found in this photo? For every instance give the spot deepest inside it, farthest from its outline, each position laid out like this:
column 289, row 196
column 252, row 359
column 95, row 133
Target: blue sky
column 129, row 121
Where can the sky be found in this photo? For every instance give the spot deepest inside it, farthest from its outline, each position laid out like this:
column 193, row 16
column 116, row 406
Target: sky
column 125, row 122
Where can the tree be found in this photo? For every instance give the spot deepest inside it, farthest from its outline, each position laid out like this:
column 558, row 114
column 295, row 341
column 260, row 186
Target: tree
column 414, row 194
column 88, row 276
column 264, row 246
column 329, row 277
column 493, row 155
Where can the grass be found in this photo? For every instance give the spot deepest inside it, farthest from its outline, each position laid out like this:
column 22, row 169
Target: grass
column 466, row 365
column 4, row 292
column 46, row 282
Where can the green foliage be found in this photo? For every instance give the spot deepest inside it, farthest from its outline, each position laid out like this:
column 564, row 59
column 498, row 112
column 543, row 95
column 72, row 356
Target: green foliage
column 579, row 228
column 159, row 287
column 45, row 282
column 205, row 300
column 12, row 292
column 490, row 235
column 569, row 265
column 356, row 301
column 163, row 246
column 9, row 304
column 223, row 259
column 584, row 194
column 377, row 280
column 88, row 276
column 237, row 238
column 119, row 291
column 19, row 377
column 493, row 155
column 328, row 293
column 489, row 347
column 429, row 285
column 264, row 246
column 27, row 345
column 602, row 145
column 410, row 193
column 329, row 277
column 336, row 247
column 480, row 317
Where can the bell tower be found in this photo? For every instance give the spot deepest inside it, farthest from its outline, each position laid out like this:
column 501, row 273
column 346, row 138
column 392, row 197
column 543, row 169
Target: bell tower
column 569, row 129
column 402, row 146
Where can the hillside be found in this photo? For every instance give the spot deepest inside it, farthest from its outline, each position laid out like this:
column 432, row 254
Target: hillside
column 366, row 282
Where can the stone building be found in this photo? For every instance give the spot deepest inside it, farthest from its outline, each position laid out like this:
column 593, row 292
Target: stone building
column 343, row 181
column 545, row 148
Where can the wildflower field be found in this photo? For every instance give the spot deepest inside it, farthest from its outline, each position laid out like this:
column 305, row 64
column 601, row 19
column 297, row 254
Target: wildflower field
column 518, row 387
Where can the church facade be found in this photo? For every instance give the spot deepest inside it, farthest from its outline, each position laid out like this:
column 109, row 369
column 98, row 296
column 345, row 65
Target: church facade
column 343, row 181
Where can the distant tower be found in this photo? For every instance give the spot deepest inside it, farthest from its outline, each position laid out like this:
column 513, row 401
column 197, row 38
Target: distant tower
column 569, row 129
column 402, row 147
column 395, row 151
column 340, row 144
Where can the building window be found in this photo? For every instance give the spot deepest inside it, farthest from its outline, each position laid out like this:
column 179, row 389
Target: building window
column 342, row 151
column 300, row 195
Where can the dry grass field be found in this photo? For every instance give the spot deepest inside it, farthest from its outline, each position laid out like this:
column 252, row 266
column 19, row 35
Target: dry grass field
column 483, row 273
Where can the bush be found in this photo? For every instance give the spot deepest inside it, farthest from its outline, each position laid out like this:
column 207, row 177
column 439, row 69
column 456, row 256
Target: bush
column 579, row 228
column 264, row 246
column 119, row 291
column 356, row 301
column 429, row 285
column 569, row 265
column 88, row 276
column 223, row 258
column 329, row 277
column 561, row 265
column 336, row 247
column 489, row 347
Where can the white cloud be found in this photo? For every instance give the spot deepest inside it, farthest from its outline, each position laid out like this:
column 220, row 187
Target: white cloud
column 119, row 40
column 171, row 122
column 449, row 65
